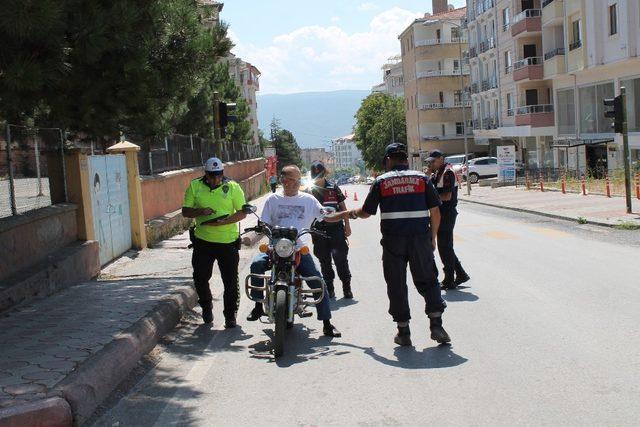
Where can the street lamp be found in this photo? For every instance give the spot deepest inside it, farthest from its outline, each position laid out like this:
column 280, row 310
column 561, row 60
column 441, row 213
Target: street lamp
column 464, row 112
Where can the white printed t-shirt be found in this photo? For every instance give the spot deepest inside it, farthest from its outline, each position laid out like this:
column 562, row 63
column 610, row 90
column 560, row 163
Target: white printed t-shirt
column 292, row 211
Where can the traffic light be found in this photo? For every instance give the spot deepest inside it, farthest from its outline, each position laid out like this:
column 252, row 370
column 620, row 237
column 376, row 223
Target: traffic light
column 617, row 114
column 226, row 116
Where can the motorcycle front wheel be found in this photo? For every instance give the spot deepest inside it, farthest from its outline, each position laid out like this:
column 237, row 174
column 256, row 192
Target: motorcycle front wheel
column 281, row 322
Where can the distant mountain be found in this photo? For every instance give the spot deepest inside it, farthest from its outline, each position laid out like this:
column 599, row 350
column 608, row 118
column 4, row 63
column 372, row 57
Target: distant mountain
column 314, row 118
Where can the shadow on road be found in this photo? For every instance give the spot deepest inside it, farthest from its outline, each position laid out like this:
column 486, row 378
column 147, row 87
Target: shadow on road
column 460, row 295
column 342, row 303
column 301, row 347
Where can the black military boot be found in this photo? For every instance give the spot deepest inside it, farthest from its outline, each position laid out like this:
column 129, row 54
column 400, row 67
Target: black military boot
column 331, row 290
column 207, row 313
column 256, row 313
column 437, row 331
column 346, row 290
column 461, row 275
column 403, row 337
column 448, row 282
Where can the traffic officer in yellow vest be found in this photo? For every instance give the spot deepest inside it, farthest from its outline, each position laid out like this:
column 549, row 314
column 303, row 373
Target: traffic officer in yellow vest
column 446, row 183
column 216, row 203
column 409, row 218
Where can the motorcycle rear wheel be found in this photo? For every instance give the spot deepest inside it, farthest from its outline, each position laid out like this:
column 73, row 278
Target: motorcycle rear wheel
column 281, row 322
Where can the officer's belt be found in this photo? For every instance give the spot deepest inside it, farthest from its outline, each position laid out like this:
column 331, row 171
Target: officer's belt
column 404, row 215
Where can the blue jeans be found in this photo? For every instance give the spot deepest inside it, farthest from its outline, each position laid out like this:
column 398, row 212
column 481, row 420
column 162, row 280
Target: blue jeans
column 306, row 268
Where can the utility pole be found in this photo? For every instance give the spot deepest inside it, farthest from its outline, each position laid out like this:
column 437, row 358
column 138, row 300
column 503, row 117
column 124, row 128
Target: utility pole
column 625, row 148
column 216, row 124
column 464, row 112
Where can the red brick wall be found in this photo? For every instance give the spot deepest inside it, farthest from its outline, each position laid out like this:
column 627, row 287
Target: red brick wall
column 162, row 194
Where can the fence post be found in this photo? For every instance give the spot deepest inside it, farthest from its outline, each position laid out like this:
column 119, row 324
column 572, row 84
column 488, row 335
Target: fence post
column 150, row 162
column 584, row 186
column 564, row 183
column 638, row 185
column 64, row 166
column 38, row 172
column 12, row 188
column 607, row 185
column 541, row 183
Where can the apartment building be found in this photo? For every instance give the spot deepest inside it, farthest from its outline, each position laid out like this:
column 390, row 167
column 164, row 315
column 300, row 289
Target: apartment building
column 247, row 78
column 211, row 12
column 345, row 153
column 534, row 61
column 435, row 75
column 392, row 78
column 310, row 155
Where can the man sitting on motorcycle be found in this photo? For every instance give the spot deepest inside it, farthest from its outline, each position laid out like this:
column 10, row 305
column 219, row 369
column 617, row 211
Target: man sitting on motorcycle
column 293, row 208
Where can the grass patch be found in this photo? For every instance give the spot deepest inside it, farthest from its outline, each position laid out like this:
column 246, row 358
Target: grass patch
column 627, row 225
column 582, row 220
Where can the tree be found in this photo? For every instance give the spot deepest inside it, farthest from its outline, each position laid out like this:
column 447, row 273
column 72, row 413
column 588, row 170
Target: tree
column 379, row 121
column 287, row 148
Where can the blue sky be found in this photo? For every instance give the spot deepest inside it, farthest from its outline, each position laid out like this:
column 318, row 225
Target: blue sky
column 302, row 46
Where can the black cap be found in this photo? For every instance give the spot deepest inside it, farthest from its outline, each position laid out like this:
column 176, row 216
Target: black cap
column 317, row 169
column 435, row 154
column 395, row 149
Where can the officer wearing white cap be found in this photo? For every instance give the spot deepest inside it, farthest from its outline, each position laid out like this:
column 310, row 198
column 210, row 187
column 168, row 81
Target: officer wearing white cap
column 216, row 203
column 444, row 179
column 409, row 219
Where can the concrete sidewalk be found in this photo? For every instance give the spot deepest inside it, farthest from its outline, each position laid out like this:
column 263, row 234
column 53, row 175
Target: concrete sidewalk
column 599, row 210
column 61, row 356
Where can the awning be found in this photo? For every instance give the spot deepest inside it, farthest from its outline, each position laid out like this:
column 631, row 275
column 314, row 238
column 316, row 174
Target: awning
column 569, row 143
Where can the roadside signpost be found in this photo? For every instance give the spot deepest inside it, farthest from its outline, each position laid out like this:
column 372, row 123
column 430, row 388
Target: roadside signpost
column 506, row 164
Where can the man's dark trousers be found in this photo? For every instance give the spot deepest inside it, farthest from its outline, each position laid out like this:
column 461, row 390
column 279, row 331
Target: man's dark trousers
column 336, row 247
column 445, row 241
column 204, row 255
column 397, row 251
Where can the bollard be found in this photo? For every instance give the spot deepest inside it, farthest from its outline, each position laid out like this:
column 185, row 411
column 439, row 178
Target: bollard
column 541, row 183
column 564, row 184
column 607, row 185
column 638, row 186
column 584, row 186
column 527, row 182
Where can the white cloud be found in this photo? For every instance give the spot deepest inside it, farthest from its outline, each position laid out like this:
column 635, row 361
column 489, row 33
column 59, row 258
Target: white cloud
column 368, row 7
column 320, row 58
column 335, row 19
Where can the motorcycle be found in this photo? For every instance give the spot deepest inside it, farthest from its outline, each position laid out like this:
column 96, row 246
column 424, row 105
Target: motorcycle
column 284, row 292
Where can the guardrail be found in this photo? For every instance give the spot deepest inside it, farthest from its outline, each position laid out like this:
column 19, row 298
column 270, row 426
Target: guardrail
column 555, row 52
column 575, row 45
column 532, row 60
column 439, row 73
column 529, row 13
column 534, row 109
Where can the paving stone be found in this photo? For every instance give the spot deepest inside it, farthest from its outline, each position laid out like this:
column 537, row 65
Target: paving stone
column 21, row 389
column 12, row 380
column 59, row 365
column 43, row 375
column 6, row 365
column 5, row 403
column 73, row 354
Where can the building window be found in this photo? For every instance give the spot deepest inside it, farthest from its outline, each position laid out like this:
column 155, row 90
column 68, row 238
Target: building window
column 457, row 96
column 565, row 105
column 509, row 105
column 576, row 37
column 505, row 19
column 459, row 128
column 508, row 65
column 613, row 19
column 633, row 103
column 592, row 120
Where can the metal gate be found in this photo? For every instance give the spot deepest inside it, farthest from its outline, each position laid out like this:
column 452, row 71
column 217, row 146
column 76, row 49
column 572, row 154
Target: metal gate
column 110, row 203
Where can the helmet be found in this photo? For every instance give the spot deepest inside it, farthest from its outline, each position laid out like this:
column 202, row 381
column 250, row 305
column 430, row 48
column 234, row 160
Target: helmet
column 317, row 170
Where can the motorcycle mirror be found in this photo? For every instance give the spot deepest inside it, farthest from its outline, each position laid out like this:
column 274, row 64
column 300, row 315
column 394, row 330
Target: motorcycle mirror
column 249, row 209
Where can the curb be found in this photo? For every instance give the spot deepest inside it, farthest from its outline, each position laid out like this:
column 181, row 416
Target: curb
column 88, row 386
column 548, row 215
column 52, row 412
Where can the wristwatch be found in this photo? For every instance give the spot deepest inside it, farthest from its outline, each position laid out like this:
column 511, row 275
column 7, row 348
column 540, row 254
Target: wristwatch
column 353, row 214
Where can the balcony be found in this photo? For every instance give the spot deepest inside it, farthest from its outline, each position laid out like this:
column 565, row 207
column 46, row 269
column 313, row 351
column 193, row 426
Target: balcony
column 484, row 6
column 552, row 12
column 535, row 115
column 442, row 73
column 528, row 68
column 554, row 62
column 490, row 123
column 473, row 52
column 442, row 105
column 490, row 83
column 488, row 44
column 435, row 42
column 527, row 21
column 474, row 88
column 575, row 45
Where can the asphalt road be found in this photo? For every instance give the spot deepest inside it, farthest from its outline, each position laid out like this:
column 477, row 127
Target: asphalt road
column 546, row 333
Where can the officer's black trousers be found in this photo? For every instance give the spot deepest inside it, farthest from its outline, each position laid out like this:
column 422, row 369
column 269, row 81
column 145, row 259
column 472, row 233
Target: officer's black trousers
column 445, row 241
column 336, row 247
column 397, row 251
column 204, row 255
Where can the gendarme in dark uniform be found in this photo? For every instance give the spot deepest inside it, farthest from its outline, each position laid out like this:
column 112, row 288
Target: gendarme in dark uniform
column 407, row 200
column 444, row 179
column 336, row 246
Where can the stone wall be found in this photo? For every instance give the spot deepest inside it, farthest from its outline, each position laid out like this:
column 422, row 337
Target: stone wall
column 164, row 193
column 32, row 237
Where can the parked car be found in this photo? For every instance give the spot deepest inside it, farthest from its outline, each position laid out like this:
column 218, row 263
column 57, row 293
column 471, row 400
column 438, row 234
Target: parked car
column 370, row 180
column 482, row 167
column 457, row 162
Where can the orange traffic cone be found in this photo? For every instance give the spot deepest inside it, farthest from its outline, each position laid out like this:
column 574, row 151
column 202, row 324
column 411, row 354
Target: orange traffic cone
column 355, row 197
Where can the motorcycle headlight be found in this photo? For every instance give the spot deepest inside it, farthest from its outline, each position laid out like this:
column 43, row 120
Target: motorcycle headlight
column 284, row 248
